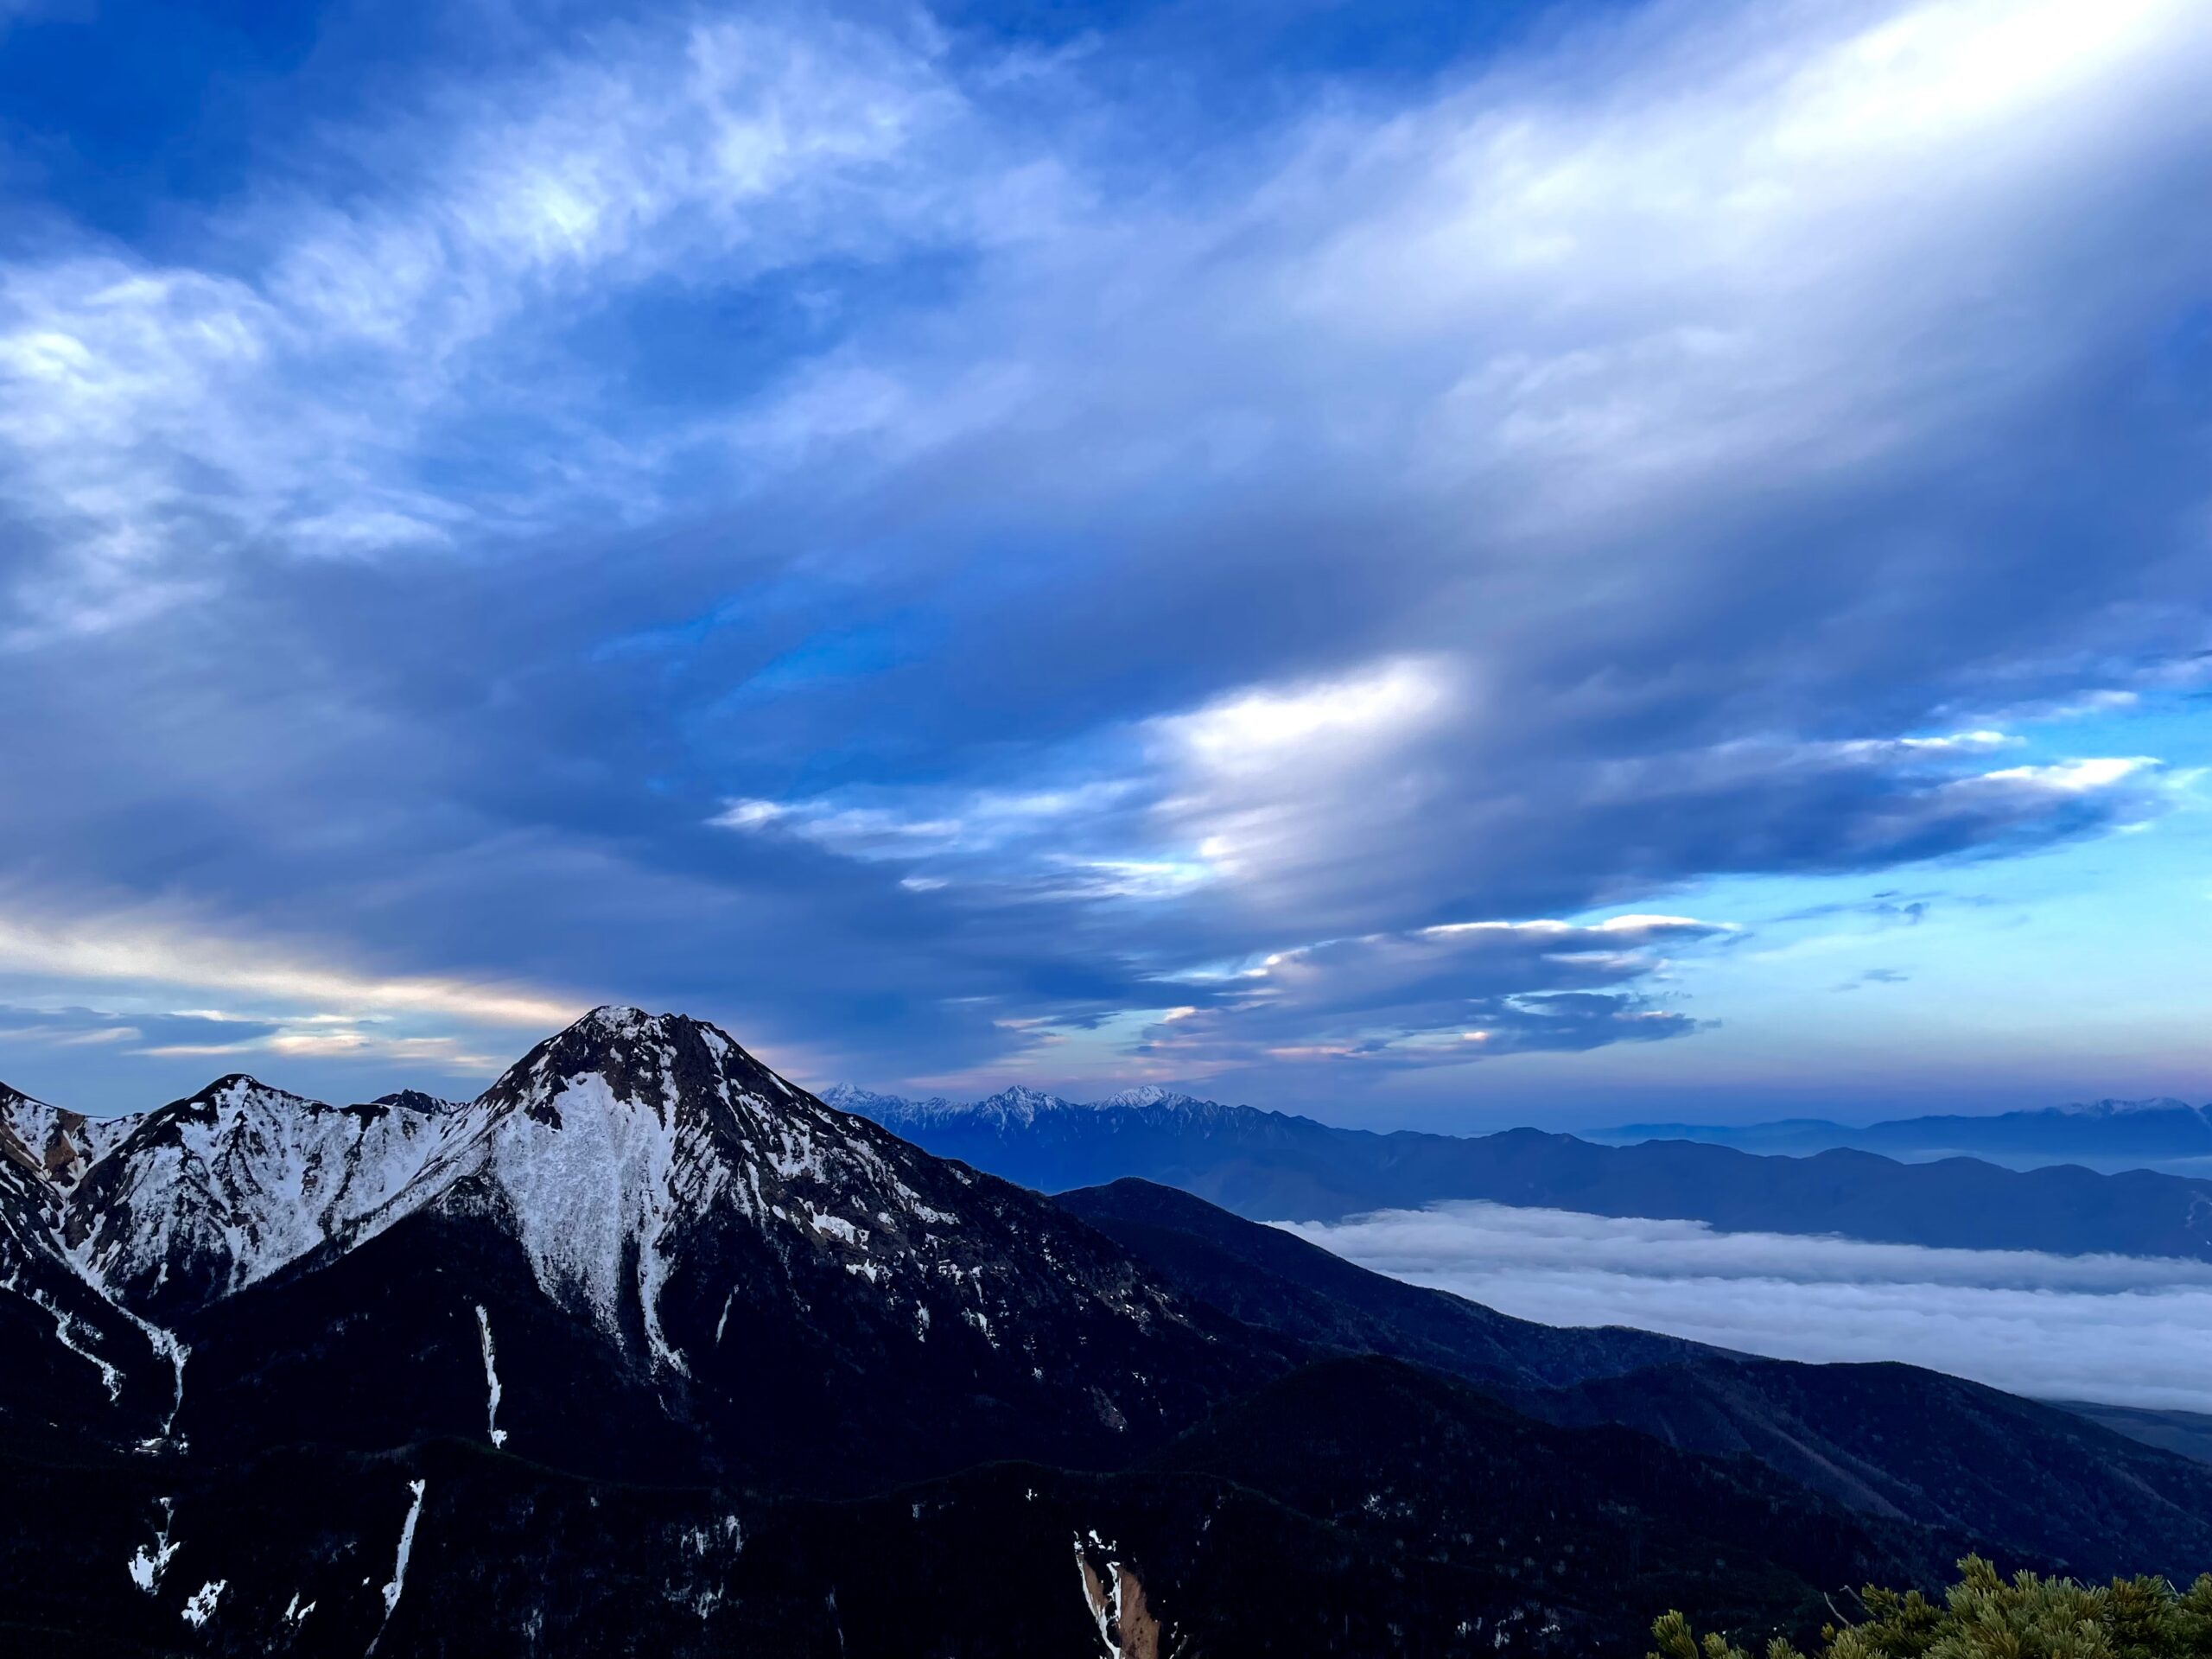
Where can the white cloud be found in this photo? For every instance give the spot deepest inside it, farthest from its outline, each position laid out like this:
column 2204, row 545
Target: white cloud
column 1232, row 789
column 1269, row 729
column 931, row 821
column 1448, row 995
column 2067, row 777
column 156, row 419
column 2128, row 1330
column 154, row 949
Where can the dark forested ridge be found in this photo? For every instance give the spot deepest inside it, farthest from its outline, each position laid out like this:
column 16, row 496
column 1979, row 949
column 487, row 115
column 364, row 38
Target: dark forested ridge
column 1883, row 1440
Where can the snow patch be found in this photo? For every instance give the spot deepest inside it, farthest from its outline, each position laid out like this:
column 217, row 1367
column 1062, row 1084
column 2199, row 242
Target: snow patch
column 201, row 1606
column 145, row 1565
column 722, row 1323
column 491, row 1378
column 65, row 1329
column 399, row 1567
column 1102, row 1594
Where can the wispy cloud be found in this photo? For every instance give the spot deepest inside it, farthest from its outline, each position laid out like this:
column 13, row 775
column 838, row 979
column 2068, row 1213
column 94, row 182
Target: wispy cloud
column 151, row 950
column 161, row 420
column 1438, row 995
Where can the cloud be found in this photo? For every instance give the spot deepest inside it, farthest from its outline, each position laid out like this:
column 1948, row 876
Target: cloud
column 906, row 539
column 141, row 949
column 2127, row 1329
column 1875, row 976
column 160, row 421
column 1337, row 795
column 1438, row 995
column 134, row 1060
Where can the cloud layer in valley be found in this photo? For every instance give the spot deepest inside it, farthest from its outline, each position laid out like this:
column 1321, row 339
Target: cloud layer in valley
column 2124, row 1330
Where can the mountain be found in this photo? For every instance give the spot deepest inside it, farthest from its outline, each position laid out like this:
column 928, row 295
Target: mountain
column 1886, row 1440
column 1270, row 1166
column 647, row 1348
column 2187, row 1433
column 1889, row 1439
column 211, row 1193
column 1267, row 1277
column 415, row 1100
column 1355, row 1508
column 2104, row 1134
column 64, row 1143
column 703, row 1253
column 71, row 1362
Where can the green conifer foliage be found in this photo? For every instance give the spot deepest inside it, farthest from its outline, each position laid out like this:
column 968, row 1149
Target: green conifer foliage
column 1986, row 1616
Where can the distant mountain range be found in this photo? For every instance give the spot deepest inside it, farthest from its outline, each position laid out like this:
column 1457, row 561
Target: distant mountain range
column 2103, row 1134
column 1272, row 1167
column 648, row 1349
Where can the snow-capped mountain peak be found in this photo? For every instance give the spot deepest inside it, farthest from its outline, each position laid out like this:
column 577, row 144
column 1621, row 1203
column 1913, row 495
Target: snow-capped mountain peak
column 1147, row 1095
column 611, row 1147
column 641, row 1206
column 212, row 1192
column 1020, row 1105
column 890, row 1110
column 416, row 1100
column 1017, row 1105
column 2160, row 1105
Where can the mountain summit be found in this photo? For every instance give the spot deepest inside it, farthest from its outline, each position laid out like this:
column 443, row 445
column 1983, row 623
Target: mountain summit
column 212, row 1192
column 699, row 1248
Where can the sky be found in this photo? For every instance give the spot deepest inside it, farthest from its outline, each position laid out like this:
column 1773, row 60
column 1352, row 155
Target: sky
column 1430, row 565
column 2129, row 1331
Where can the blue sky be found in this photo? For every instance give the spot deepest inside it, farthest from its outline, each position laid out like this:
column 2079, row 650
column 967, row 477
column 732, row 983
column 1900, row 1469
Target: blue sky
column 1427, row 564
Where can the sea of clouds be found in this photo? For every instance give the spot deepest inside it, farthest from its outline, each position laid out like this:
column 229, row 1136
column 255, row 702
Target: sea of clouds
column 2126, row 1330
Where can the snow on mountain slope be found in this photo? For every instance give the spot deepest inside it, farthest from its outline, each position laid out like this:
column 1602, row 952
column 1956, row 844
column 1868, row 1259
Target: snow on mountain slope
column 1016, row 1108
column 72, row 1359
column 65, row 1143
column 683, row 1261
column 416, row 1100
column 870, row 1103
column 2162, row 1106
column 1020, row 1105
column 214, row 1191
column 1010, row 1107
column 617, row 1146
